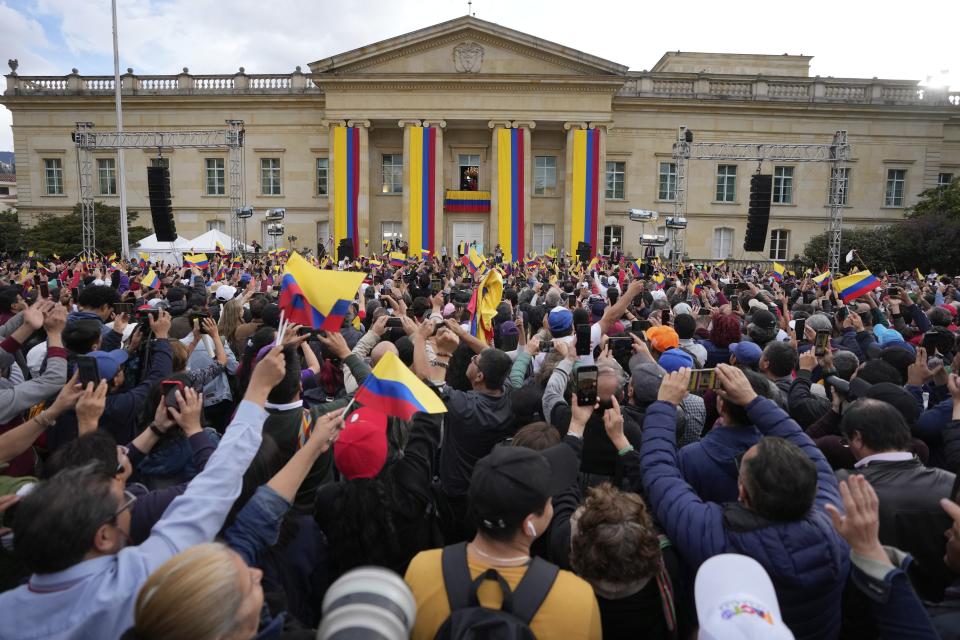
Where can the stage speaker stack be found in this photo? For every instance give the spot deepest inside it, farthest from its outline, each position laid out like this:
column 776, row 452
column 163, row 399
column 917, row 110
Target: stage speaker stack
column 345, row 249
column 158, row 189
column 583, row 252
column 758, row 213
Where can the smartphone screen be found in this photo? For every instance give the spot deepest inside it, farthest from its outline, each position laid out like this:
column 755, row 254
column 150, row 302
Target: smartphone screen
column 546, row 346
column 586, row 381
column 583, row 339
column 893, row 292
column 123, row 307
column 665, row 316
column 799, row 327
column 821, row 344
column 88, row 370
column 394, row 323
column 703, row 379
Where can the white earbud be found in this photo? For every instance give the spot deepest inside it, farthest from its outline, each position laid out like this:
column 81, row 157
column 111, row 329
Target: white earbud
column 532, row 529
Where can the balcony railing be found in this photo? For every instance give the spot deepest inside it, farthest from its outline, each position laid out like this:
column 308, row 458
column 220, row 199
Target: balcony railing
column 783, row 89
column 183, row 83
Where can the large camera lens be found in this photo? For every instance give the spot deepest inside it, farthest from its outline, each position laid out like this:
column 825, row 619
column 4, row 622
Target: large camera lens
column 372, row 603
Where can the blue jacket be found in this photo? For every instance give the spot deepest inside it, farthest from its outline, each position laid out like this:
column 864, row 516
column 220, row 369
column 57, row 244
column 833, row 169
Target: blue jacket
column 710, row 466
column 806, row 559
column 715, row 355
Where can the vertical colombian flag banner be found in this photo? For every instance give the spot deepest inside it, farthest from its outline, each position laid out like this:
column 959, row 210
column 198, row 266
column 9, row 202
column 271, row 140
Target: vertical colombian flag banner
column 421, row 189
column 510, row 214
column 346, row 185
column 585, row 189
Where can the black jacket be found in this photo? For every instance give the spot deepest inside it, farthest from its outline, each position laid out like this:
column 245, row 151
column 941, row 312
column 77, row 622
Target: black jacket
column 911, row 518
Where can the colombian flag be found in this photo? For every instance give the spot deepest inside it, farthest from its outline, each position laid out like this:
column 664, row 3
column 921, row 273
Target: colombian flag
column 636, row 268
column 855, row 285
column 483, row 305
column 393, row 389
column 532, row 262
column 474, row 262
column 823, row 279
column 150, row 280
column 397, row 259
column 778, row 271
column 315, row 298
column 220, row 249
column 199, row 260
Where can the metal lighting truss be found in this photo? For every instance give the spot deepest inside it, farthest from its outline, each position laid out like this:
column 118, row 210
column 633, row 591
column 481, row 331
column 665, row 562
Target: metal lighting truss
column 837, row 153
column 87, row 140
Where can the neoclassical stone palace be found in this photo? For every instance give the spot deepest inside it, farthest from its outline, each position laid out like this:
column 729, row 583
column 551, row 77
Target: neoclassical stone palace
column 468, row 130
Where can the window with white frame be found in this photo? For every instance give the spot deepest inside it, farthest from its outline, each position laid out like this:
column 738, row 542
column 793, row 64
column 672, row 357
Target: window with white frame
column 469, row 171
column 726, row 183
column 217, row 225
column 783, row 185
column 844, row 179
column 107, row 176
column 779, row 244
column 612, row 237
column 216, row 176
column 667, row 189
column 543, row 238
column 544, row 175
column 270, row 177
column 391, row 169
column 896, row 183
column 323, row 175
column 944, row 179
column 616, row 175
column 722, row 243
column 53, row 176
column 323, row 235
column 392, row 230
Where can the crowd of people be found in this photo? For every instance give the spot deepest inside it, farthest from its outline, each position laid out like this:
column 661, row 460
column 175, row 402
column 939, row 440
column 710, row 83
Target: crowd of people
column 629, row 449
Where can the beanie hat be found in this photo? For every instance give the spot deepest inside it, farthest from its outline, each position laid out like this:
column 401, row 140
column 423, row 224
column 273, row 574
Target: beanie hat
column 663, row 338
column 361, row 448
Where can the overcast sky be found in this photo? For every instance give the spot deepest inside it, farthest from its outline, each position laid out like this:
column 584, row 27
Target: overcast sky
column 914, row 40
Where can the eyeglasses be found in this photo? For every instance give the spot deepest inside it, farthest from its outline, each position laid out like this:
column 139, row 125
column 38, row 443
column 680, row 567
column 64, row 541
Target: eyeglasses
column 128, row 500
column 124, row 451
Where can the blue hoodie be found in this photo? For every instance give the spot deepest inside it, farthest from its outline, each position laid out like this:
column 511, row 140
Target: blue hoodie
column 710, row 466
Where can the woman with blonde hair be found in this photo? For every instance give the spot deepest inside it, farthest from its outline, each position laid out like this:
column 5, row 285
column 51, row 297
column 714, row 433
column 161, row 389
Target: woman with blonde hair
column 231, row 317
column 205, row 593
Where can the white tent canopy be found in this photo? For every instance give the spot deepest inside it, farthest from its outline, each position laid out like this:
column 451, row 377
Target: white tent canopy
column 169, row 252
column 208, row 242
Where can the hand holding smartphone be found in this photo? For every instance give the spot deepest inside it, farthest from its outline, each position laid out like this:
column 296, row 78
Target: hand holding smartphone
column 88, row 370
column 585, row 379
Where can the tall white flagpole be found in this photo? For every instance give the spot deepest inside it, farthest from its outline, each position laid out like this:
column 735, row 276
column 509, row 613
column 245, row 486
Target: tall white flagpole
column 121, row 173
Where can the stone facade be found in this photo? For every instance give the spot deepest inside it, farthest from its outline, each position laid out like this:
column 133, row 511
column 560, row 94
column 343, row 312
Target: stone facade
column 470, row 77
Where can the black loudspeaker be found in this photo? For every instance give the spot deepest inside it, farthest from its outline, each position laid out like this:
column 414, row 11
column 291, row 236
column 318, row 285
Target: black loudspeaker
column 158, row 187
column 345, row 249
column 758, row 213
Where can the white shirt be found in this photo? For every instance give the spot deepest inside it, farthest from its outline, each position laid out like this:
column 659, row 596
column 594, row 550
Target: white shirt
column 889, row 456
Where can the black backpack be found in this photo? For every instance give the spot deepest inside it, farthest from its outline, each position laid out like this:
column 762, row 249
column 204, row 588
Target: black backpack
column 470, row 620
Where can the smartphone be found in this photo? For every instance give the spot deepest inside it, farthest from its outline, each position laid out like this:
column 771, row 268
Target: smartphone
column 799, row 326
column 546, row 346
column 394, row 323
column 123, row 307
column 841, row 313
column 931, row 341
column 639, row 326
column 735, row 303
column 665, row 317
column 893, row 292
column 75, row 293
column 703, row 379
column 827, row 306
column 620, row 345
column 44, row 290
column 585, row 378
column 88, row 370
column 169, row 390
column 583, row 339
column 436, row 285
column 821, row 343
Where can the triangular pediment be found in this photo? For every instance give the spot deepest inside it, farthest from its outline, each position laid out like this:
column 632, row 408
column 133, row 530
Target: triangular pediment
column 467, row 46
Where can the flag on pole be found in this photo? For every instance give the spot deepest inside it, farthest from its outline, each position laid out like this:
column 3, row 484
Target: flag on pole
column 315, row 298
column 150, row 280
column 636, row 268
column 855, row 285
column 198, row 260
column 393, row 389
column 850, row 256
column 778, row 271
column 397, row 259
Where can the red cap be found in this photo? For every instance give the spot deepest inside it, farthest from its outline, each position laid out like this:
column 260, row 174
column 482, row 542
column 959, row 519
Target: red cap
column 360, row 451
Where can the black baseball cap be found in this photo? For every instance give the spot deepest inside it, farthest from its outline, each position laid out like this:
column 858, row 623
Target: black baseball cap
column 512, row 482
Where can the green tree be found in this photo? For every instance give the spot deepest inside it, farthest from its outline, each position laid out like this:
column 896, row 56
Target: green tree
column 873, row 245
column 61, row 234
column 11, row 233
column 940, row 201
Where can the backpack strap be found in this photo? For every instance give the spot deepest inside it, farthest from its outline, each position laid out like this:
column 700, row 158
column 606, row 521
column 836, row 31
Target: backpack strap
column 665, row 586
column 533, row 589
column 456, row 576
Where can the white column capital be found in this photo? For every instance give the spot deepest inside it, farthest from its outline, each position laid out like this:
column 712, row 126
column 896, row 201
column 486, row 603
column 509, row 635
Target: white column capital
column 567, row 126
column 605, row 125
column 493, row 124
column 333, row 123
column 442, row 124
column 359, row 123
column 409, row 123
column 528, row 124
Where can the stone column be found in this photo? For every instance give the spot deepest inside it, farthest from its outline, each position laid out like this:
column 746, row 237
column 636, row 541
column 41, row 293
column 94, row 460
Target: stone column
column 495, row 126
column 563, row 242
column 363, row 185
column 438, row 219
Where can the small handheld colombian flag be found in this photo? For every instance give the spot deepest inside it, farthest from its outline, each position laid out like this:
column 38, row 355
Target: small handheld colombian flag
column 823, row 279
column 393, row 389
column 150, row 280
column 397, row 259
column 855, row 285
column 199, row 260
column 315, row 298
column 778, row 271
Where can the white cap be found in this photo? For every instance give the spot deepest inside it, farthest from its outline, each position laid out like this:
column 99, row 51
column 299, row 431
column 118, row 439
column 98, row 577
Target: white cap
column 225, row 292
column 736, row 601
column 99, row 283
column 756, row 304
